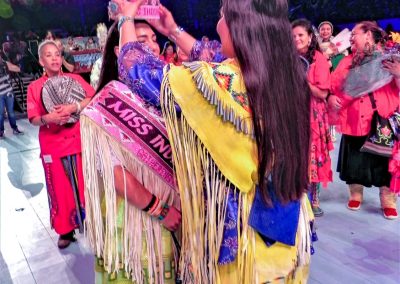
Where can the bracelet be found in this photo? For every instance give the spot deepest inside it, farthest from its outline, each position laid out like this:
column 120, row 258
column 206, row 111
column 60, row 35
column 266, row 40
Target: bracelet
column 164, row 212
column 151, row 203
column 155, row 207
column 123, row 19
column 176, row 33
column 78, row 108
column 43, row 121
column 156, row 213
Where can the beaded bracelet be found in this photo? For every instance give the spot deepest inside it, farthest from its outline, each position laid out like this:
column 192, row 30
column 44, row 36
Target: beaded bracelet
column 156, row 208
column 175, row 34
column 164, row 212
column 123, row 19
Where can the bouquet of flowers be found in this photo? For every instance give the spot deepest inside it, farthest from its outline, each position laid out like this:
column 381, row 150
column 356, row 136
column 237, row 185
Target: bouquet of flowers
column 369, row 75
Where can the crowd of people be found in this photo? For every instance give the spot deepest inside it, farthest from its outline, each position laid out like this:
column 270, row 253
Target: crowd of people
column 21, row 49
column 176, row 165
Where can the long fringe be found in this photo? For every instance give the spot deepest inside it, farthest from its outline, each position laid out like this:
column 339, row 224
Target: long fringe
column 304, row 230
column 207, row 86
column 204, row 190
column 120, row 250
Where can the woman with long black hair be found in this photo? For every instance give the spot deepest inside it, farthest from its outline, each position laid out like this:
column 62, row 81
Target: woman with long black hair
column 128, row 169
column 240, row 161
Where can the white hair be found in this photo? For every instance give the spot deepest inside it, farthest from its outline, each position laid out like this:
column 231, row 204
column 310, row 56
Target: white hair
column 43, row 44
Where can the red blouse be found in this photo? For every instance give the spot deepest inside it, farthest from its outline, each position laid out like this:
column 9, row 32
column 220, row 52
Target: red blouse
column 58, row 141
column 168, row 58
column 354, row 118
column 319, row 73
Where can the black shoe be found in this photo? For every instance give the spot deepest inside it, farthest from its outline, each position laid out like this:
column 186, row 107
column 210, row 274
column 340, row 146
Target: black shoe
column 62, row 244
column 2, row 135
column 318, row 212
column 16, row 131
column 66, row 239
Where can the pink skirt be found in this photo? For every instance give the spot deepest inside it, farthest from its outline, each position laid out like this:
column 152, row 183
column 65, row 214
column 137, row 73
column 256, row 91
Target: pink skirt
column 65, row 190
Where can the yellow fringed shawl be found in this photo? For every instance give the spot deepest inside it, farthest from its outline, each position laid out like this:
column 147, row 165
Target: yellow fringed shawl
column 214, row 153
column 219, row 117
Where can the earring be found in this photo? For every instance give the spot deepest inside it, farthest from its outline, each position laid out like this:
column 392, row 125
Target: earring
column 369, row 48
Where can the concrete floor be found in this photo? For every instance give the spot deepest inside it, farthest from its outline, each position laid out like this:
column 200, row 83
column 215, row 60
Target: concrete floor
column 353, row 247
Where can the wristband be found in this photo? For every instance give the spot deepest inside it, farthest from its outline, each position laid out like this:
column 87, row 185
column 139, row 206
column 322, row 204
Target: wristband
column 43, row 121
column 123, row 19
column 151, row 203
column 156, row 207
column 156, row 213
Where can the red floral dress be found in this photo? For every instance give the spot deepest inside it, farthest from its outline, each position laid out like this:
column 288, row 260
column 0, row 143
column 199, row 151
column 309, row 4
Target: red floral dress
column 321, row 143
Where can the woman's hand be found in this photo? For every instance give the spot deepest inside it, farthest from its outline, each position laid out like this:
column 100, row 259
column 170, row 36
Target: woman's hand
column 165, row 24
column 66, row 109
column 334, row 102
column 61, row 114
column 119, row 8
column 317, row 92
column 173, row 219
column 58, row 118
column 393, row 67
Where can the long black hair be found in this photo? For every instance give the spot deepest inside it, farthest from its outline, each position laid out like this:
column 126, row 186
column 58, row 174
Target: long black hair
column 109, row 66
column 278, row 92
column 306, row 24
column 166, row 45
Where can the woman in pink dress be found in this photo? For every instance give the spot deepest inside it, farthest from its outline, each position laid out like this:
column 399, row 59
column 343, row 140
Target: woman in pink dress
column 318, row 75
column 60, row 148
column 355, row 85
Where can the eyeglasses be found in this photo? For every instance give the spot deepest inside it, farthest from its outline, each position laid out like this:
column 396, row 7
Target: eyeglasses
column 354, row 34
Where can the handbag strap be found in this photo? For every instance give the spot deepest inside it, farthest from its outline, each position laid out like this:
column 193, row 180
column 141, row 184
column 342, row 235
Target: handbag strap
column 372, row 99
